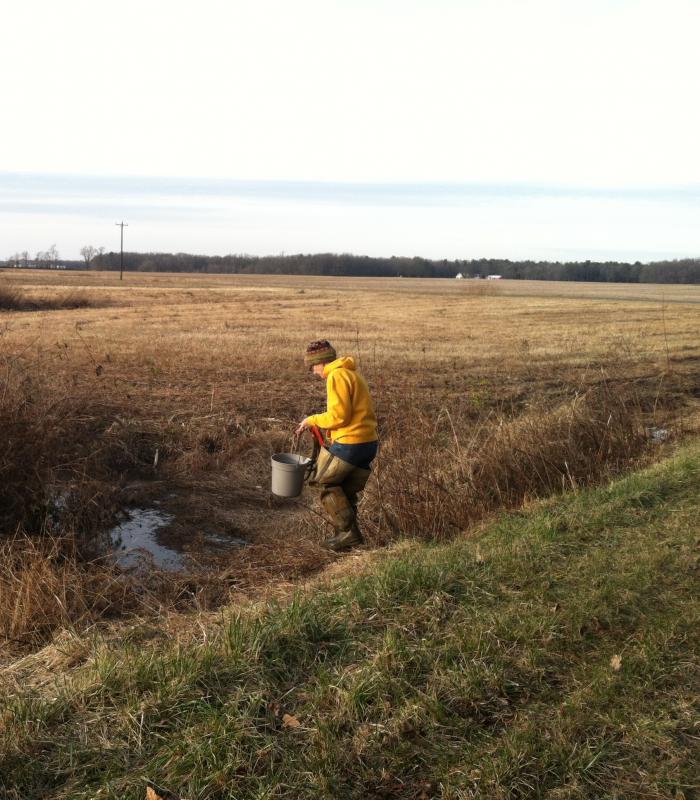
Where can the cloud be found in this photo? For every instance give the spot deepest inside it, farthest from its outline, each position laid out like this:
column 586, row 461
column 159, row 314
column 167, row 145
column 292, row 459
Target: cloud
column 440, row 220
column 54, row 192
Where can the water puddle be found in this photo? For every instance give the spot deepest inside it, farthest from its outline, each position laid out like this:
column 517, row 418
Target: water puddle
column 135, row 543
column 659, row 435
column 150, row 537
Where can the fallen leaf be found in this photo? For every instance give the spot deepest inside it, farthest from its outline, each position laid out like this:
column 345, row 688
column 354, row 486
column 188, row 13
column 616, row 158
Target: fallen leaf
column 616, row 663
column 288, row 721
column 151, row 794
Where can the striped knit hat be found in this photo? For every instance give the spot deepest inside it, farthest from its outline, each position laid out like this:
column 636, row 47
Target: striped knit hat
column 319, row 352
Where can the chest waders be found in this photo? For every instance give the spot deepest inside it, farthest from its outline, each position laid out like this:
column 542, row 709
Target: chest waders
column 340, row 483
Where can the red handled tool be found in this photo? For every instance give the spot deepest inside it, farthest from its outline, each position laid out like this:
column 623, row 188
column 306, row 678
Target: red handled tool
column 316, row 433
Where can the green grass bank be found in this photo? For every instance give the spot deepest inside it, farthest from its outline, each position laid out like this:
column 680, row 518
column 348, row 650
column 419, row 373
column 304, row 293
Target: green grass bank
column 554, row 655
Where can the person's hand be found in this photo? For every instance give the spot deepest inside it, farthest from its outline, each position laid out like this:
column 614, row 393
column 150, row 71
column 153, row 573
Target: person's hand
column 303, row 426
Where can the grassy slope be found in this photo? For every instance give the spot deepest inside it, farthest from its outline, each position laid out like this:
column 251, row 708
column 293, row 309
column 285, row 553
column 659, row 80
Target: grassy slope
column 476, row 669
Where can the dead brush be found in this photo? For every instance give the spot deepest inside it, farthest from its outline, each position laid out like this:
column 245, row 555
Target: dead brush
column 11, row 299
column 47, row 431
column 33, row 428
column 425, row 489
column 15, row 300
column 596, row 435
column 63, row 455
column 44, row 586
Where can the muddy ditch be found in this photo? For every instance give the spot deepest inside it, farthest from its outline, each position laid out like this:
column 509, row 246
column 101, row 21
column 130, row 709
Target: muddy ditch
column 167, row 513
column 152, row 538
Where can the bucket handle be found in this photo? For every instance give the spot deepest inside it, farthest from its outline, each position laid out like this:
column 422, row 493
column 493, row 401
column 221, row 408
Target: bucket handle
column 319, row 444
column 315, row 434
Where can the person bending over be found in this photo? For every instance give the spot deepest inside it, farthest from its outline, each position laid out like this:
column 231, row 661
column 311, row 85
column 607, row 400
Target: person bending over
column 342, row 470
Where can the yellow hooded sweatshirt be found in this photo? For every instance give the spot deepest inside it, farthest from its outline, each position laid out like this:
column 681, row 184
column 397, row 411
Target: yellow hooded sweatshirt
column 350, row 415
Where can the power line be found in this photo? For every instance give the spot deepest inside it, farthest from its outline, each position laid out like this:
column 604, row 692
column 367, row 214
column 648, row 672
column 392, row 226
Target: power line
column 122, row 225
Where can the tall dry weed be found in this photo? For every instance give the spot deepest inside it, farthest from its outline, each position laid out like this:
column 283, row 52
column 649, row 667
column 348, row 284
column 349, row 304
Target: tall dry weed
column 33, row 427
column 435, row 482
column 49, row 438
column 44, row 586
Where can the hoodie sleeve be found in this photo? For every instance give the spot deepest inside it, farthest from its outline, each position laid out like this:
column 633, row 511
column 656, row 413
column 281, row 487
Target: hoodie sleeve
column 339, row 408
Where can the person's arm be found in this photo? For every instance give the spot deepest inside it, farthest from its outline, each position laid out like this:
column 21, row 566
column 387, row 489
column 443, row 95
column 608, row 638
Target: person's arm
column 339, row 406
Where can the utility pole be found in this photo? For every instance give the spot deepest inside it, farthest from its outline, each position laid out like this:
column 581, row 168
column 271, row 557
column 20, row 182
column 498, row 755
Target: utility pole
column 121, row 225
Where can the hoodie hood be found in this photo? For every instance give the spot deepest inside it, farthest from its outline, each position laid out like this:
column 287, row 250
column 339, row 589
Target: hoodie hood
column 346, row 362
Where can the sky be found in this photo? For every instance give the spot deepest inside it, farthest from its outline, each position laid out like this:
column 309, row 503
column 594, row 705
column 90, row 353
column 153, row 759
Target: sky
column 443, row 128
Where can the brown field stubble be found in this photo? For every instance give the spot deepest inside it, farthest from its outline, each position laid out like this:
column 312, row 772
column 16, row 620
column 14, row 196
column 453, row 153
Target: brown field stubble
column 180, row 387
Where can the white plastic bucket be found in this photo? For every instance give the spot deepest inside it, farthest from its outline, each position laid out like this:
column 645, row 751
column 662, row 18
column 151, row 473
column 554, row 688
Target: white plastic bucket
column 288, row 471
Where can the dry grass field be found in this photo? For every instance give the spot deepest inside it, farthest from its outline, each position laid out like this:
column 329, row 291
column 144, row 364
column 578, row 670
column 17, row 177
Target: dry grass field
column 172, row 391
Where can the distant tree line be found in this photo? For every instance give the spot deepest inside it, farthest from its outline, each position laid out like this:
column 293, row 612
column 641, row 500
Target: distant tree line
column 678, row 271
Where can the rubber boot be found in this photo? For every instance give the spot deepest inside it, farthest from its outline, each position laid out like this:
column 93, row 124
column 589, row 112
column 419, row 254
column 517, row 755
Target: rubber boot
column 344, row 540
